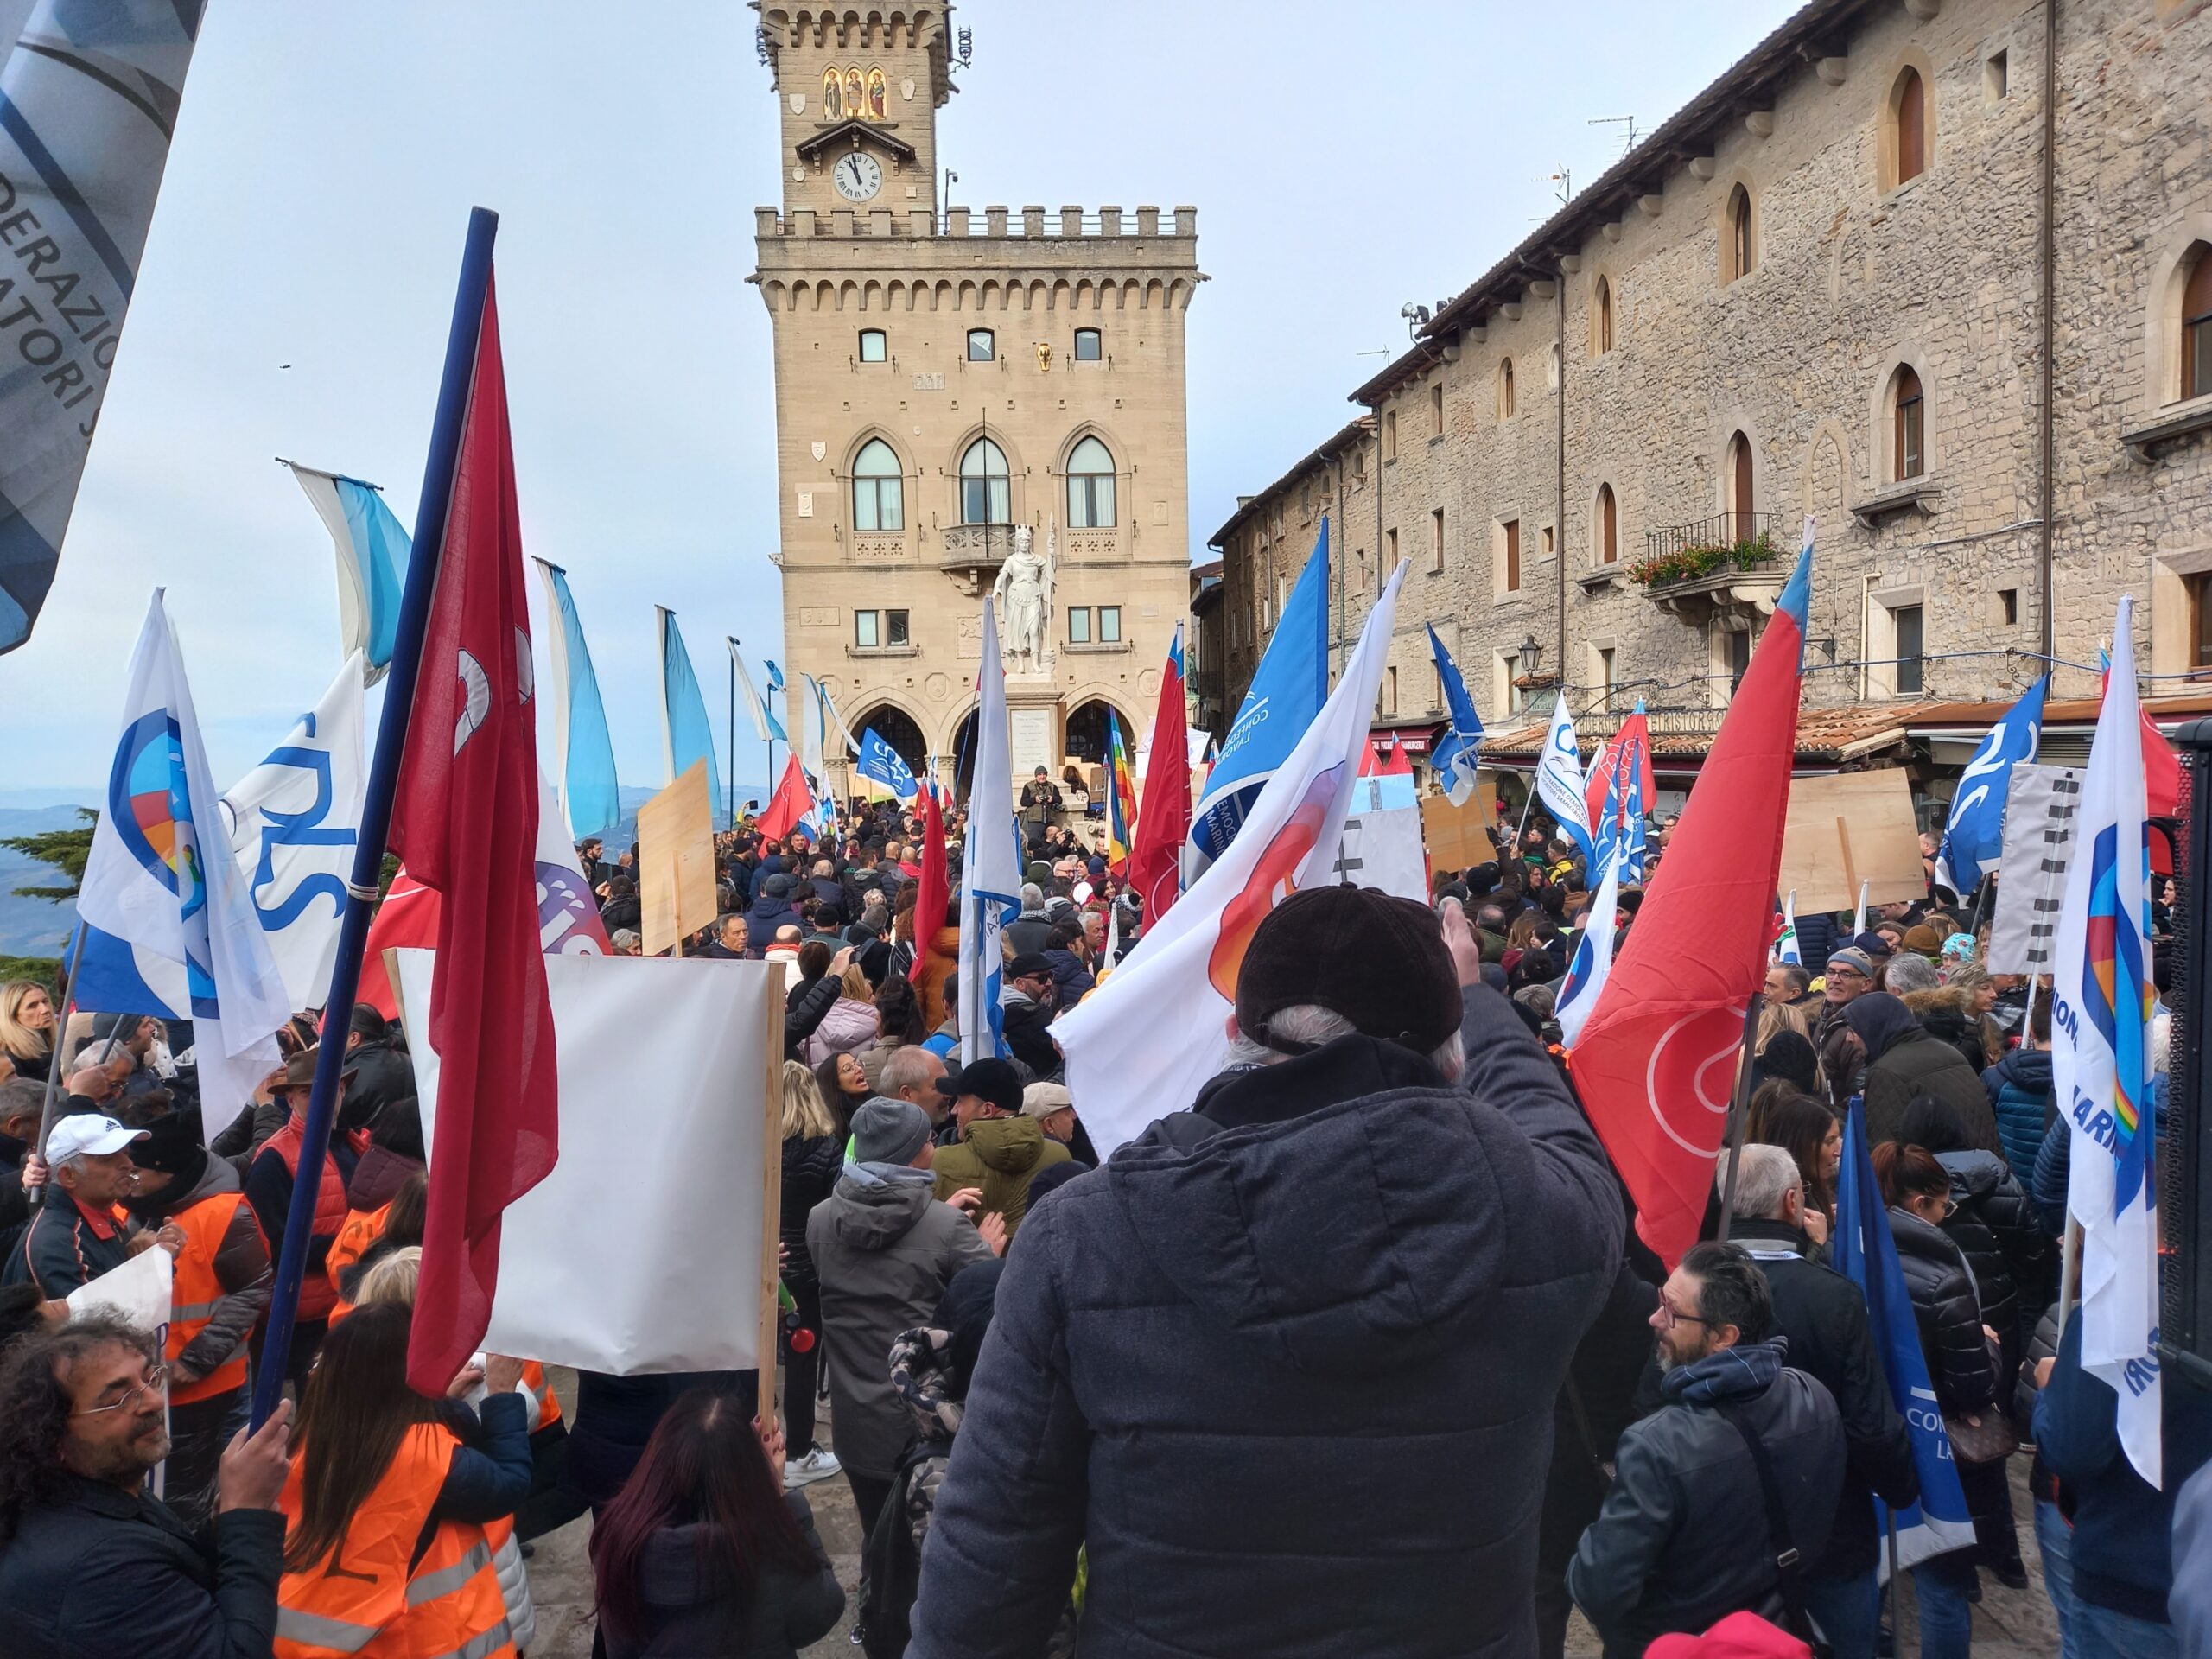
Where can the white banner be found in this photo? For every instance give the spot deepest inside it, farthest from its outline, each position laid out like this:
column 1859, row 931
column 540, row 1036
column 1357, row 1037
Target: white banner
column 1383, row 848
column 2032, row 870
column 137, row 1293
column 663, row 1067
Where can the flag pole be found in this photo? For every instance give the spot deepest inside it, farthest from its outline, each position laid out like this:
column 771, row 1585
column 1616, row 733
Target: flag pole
column 1739, row 1112
column 729, row 783
column 68, row 996
column 375, row 811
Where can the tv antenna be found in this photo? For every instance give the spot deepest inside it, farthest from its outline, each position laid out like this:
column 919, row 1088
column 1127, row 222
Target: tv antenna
column 1627, row 123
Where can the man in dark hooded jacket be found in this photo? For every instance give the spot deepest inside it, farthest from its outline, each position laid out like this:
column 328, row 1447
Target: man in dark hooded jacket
column 1285, row 1367
column 772, row 908
column 1902, row 1060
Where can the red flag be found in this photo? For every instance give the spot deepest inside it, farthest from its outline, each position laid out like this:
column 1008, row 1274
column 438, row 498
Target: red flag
column 466, row 823
column 1633, row 737
column 791, row 803
column 936, row 890
column 1657, row 1061
column 1164, row 803
column 406, row 919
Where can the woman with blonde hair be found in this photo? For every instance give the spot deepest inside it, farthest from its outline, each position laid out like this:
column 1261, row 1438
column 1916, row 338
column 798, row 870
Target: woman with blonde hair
column 849, row 1026
column 394, row 1278
column 27, row 1026
column 814, row 1158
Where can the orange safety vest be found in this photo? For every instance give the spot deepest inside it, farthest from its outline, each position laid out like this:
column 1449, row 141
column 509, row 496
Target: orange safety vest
column 545, row 1405
column 362, row 1229
column 193, row 1290
column 364, row 1599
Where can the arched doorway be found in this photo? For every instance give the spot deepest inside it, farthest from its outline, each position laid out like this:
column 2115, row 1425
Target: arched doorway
column 963, row 756
column 1087, row 731
column 895, row 726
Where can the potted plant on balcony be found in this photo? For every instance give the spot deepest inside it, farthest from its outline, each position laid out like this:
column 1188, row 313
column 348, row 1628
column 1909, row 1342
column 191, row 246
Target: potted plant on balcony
column 1701, row 559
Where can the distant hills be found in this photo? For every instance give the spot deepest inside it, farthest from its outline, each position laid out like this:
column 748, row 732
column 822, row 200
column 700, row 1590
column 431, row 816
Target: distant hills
column 33, row 927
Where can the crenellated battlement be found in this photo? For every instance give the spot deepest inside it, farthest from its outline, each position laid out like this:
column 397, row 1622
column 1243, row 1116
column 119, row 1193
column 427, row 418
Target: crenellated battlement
column 1030, row 224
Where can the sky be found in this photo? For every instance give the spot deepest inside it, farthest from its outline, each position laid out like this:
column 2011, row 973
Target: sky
column 298, row 280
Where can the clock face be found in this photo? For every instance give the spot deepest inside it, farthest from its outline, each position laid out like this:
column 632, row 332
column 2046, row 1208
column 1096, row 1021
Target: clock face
column 858, row 177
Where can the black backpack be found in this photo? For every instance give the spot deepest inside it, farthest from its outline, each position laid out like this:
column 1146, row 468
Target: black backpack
column 891, row 1562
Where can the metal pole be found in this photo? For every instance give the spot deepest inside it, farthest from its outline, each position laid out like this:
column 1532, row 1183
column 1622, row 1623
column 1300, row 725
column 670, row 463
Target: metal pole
column 1889, row 1521
column 376, row 813
column 2046, row 503
column 1739, row 1112
column 729, row 784
column 68, row 990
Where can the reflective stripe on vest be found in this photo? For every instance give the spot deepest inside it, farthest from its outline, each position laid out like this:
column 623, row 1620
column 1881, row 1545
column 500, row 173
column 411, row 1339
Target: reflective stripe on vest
column 319, row 1630
column 429, row 1586
column 195, row 1291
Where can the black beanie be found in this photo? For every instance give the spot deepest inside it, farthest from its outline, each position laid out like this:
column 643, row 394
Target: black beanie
column 1377, row 960
column 172, row 1147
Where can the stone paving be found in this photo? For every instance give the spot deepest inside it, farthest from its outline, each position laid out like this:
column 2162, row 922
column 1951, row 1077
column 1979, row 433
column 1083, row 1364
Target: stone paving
column 2008, row 1625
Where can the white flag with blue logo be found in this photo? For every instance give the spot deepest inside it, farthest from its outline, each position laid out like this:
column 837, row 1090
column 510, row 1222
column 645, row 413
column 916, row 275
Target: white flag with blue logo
column 1973, row 836
column 2101, row 1063
column 161, row 882
column 1593, row 956
column 991, row 876
column 1560, row 783
column 879, row 764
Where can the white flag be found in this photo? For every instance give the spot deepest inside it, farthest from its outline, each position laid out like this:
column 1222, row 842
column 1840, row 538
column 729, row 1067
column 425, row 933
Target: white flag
column 990, row 874
column 293, row 821
column 1786, row 947
column 1593, row 957
column 2102, row 997
column 1142, row 1044
column 161, row 886
column 1560, row 783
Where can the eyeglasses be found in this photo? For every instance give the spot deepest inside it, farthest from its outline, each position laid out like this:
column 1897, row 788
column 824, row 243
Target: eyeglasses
column 1675, row 1316
column 156, row 1383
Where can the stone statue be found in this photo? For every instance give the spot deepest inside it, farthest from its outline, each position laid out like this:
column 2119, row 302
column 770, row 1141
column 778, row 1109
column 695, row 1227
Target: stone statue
column 1024, row 592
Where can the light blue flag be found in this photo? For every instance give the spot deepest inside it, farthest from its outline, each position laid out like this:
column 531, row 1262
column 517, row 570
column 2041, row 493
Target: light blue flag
column 1560, row 783
column 1975, row 833
column 879, row 763
column 373, row 551
column 775, row 674
column 1863, row 1251
column 1287, row 691
column 685, row 737
column 765, row 722
column 170, row 915
column 589, row 797
column 1454, row 759
column 88, row 98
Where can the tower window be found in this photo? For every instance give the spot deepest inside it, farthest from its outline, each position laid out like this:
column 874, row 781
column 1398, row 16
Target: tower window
column 1436, row 410
column 1909, row 126
column 1090, row 487
column 1609, row 526
column 1390, row 691
column 1742, row 505
column 879, row 491
column 873, row 347
column 1078, row 624
column 2200, row 625
column 2008, row 606
column 2196, row 326
column 1390, row 435
column 1741, row 255
column 1509, row 542
column 985, row 494
column 1436, row 539
column 1996, row 78
column 1389, row 553
column 1908, row 453
column 1089, row 347
column 1505, row 389
column 1110, row 624
column 981, row 348
column 1601, row 336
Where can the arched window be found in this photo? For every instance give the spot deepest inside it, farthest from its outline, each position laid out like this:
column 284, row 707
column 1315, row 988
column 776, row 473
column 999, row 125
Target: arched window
column 984, row 492
column 981, row 346
column 1505, row 389
column 1609, row 526
column 1601, row 326
column 1907, row 451
column 879, row 491
column 2196, row 326
column 1741, row 256
column 1090, row 346
column 1908, row 118
column 1741, row 505
column 873, row 347
column 1090, row 487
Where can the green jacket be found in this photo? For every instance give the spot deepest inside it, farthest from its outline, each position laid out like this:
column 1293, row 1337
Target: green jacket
column 1001, row 1156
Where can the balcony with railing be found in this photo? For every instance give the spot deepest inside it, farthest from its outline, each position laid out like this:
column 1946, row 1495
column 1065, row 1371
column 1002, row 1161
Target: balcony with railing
column 975, row 551
column 1727, row 562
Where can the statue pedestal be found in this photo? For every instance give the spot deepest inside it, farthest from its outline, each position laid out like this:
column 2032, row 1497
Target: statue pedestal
column 1032, row 722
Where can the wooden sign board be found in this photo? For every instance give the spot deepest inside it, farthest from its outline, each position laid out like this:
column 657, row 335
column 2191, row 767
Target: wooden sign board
column 676, row 860
column 1457, row 836
column 1849, row 828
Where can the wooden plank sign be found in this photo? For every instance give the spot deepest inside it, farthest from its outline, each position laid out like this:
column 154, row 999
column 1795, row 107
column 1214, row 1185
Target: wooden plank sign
column 1851, row 828
column 676, row 860
column 1457, row 836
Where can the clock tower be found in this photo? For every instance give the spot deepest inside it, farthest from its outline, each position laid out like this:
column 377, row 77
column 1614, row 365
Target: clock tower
column 859, row 101
column 961, row 391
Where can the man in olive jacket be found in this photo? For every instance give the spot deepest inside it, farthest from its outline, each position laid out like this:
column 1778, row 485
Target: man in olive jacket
column 1285, row 1367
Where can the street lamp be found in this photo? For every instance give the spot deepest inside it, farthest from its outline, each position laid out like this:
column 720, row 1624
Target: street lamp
column 1532, row 654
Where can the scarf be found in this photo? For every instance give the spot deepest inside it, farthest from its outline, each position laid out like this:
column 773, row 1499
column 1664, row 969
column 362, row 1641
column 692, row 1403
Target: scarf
column 1727, row 1374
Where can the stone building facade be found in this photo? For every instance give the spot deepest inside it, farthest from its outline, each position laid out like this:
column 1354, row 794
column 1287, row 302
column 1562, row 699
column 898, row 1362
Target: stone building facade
column 947, row 380
column 1817, row 290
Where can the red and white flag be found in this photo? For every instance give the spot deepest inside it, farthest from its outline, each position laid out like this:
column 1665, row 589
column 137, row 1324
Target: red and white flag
column 1164, row 806
column 791, row 806
column 466, row 823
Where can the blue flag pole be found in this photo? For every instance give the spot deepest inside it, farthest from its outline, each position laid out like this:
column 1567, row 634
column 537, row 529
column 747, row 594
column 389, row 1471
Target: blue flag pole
column 376, row 812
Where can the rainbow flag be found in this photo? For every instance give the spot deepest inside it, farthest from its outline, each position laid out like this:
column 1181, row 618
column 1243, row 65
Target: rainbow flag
column 1121, row 798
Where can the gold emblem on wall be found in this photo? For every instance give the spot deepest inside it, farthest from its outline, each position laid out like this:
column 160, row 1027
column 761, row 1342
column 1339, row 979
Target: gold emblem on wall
column 1044, row 357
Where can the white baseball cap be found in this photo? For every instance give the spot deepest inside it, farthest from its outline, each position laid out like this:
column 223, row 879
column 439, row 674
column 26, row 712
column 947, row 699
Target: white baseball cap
column 83, row 1133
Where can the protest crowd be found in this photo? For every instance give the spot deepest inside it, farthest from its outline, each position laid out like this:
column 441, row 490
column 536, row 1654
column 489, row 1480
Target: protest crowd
column 1357, row 1350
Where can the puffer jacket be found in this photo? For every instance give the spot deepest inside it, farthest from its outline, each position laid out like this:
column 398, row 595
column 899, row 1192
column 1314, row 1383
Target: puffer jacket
column 811, row 1165
column 1214, row 1359
column 847, row 1029
column 1684, row 1538
column 1917, row 1064
column 1071, row 981
column 1946, row 1014
column 2019, row 1087
column 1843, row 1056
column 1961, row 1365
column 2011, row 1262
column 691, row 1609
column 1002, row 1156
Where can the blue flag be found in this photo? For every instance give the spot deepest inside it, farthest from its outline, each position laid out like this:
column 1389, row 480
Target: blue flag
column 1454, row 759
column 685, row 737
column 1975, row 834
column 582, row 746
column 879, row 763
column 373, row 549
column 1862, row 1252
column 775, row 674
column 1287, row 691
